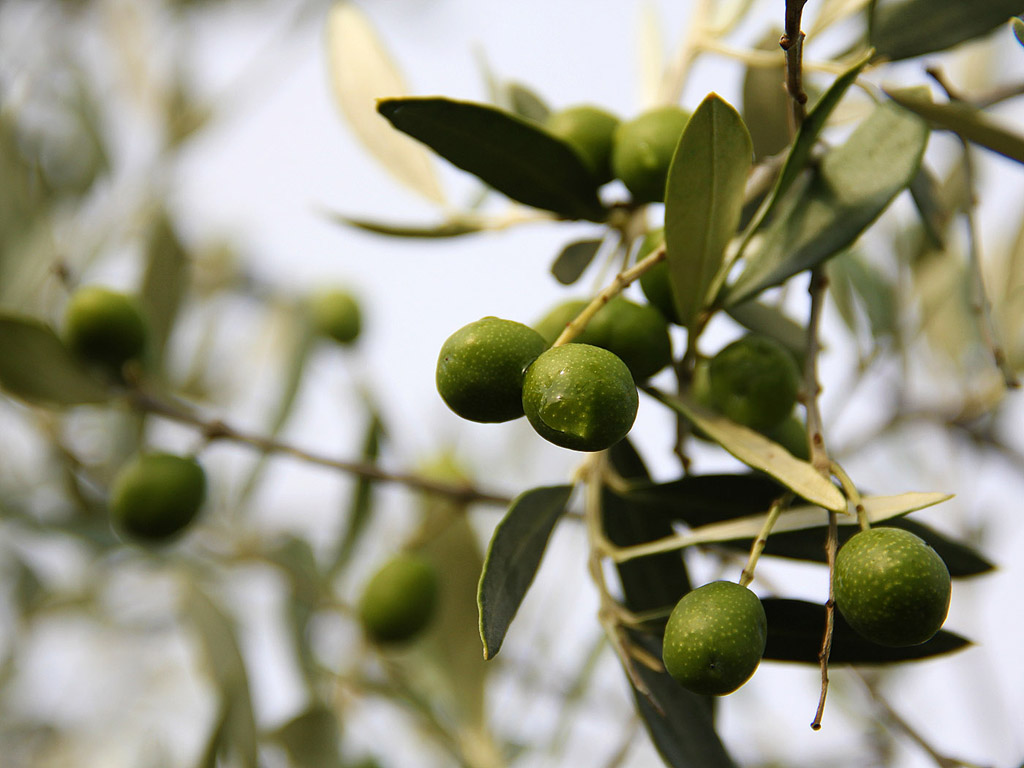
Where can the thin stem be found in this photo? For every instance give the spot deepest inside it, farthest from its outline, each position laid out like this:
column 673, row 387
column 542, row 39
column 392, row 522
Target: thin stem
column 831, row 545
column 792, row 42
column 757, row 547
column 216, row 429
column 851, row 492
column 811, row 386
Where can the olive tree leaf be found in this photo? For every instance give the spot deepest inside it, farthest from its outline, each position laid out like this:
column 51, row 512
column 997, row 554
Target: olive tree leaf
column 513, row 557
column 311, row 738
column 795, row 628
column 875, row 292
column 1017, row 24
column 826, row 212
column 36, row 366
column 765, row 101
column 772, row 321
column 361, row 504
column 966, row 121
column 525, row 102
column 514, row 156
column 703, row 200
column 573, row 260
column 362, row 72
column 680, row 723
column 757, row 451
column 453, row 227
column 902, row 29
column 164, row 283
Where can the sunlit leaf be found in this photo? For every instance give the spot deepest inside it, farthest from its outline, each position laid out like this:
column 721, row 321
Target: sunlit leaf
column 902, row 29
column 703, row 199
column 827, row 212
column 515, row 552
column 795, row 629
column 362, row 72
column 574, row 259
column 36, row 366
column 968, row 122
column 510, row 154
column 757, row 451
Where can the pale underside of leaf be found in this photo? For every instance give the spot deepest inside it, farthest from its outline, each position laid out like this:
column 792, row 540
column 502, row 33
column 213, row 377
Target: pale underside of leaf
column 362, row 71
column 877, row 509
column 757, row 451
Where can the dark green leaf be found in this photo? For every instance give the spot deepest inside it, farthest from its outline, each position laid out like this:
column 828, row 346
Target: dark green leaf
column 679, row 722
column 163, row 284
column 704, row 499
column 902, row 29
column 311, row 738
column 968, row 122
column 796, row 627
column 361, row 504
column 512, row 155
column 827, row 212
column 450, row 228
column 574, row 259
column 627, row 461
column 37, row 367
column 513, row 557
column 765, row 101
column 703, row 199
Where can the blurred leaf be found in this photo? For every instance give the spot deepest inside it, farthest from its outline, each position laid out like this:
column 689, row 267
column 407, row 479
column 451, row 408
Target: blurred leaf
column 295, row 557
column 650, row 51
column 36, row 366
column 450, row 228
column 524, row 102
column 648, row 583
column 1017, row 24
column 164, row 283
column 968, row 122
column 827, row 213
column 227, row 669
column 216, row 742
column 757, row 451
column 902, row 29
column 932, row 208
column 831, row 11
column 362, row 72
column 311, row 739
column 627, row 462
column 361, row 504
column 512, row 155
column 774, row 322
column 796, row 627
column 574, row 259
column 513, row 557
column 703, row 198
column 851, row 272
column 1008, row 298
column 679, row 722
column 765, row 101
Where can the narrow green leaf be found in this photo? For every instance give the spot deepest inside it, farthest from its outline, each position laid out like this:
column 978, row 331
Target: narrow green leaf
column 703, row 200
column 931, row 206
column 164, row 284
column 510, row 154
column 450, row 228
column 829, row 209
column 765, row 101
column 513, row 557
column 795, row 629
column 294, row 556
column 874, row 291
column 902, row 29
column 757, row 451
column 36, row 366
column 311, row 739
column 680, row 723
column 1017, row 24
column 573, row 260
column 966, row 121
column 525, row 102
column 362, row 71
column 216, row 742
column 360, row 506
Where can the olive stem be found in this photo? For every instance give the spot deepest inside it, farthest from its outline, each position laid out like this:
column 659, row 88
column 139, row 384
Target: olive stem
column 850, row 489
column 757, row 548
column 831, row 546
column 216, row 429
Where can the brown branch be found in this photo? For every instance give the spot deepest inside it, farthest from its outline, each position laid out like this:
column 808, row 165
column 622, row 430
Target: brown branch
column 215, row 429
column 792, row 42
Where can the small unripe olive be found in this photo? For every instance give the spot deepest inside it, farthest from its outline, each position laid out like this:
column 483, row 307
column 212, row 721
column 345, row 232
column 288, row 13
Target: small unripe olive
column 655, row 282
column 580, row 397
column 156, row 496
column 399, row 600
column 754, row 381
column 480, row 368
column 715, row 638
column 642, row 150
column 337, row 315
column 891, row 586
column 589, row 130
column 105, row 327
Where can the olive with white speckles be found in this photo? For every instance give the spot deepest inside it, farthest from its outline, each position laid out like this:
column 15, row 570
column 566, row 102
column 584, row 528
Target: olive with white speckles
column 891, row 586
column 715, row 638
column 480, row 368
column 580, row 397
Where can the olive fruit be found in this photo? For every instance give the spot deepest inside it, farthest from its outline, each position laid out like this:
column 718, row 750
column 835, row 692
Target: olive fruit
column 551, row 325
column 891, row 586
column 588, row 129
column 105, row 327
column 336, row 315
column 715, row 638
column 400, row 599
column 156, row 496
column 754, row 381
column 480, row 368
column 579, row 396
column 642, row 150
